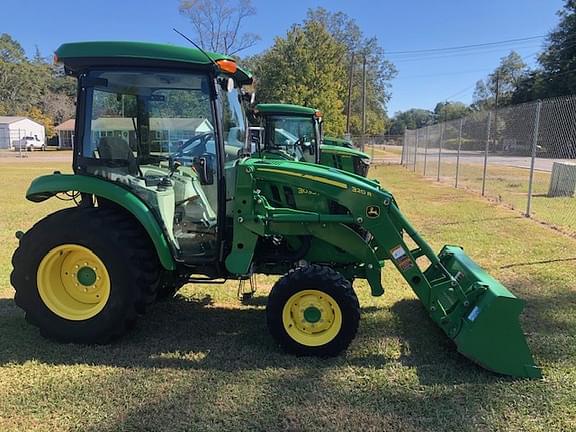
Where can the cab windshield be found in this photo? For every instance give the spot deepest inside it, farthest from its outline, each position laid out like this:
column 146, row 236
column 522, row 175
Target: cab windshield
column 296, row 136
column 149, row 114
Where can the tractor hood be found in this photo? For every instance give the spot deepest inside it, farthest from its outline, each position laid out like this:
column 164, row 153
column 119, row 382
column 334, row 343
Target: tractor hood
column 323, row 175
column 343, row 151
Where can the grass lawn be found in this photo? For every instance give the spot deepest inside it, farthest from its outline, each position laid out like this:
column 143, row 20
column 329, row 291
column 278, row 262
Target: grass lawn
column 204, row 362
column 509, row 185
column 383, row 152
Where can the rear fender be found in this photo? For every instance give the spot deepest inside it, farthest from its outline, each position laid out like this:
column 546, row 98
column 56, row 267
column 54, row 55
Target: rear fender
column 45, row 187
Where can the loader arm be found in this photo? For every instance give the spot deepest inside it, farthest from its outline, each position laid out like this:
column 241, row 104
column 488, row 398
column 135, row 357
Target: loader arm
column 470, row 306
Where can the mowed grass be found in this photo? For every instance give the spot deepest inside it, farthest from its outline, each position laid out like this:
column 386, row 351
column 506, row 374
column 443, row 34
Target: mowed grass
column 204, row 362
column 509, row 185
column 383, row 152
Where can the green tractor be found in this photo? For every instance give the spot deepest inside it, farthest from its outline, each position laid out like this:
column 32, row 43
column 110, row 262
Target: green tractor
column 166, row 196
column 338, row 142
column 295, row 132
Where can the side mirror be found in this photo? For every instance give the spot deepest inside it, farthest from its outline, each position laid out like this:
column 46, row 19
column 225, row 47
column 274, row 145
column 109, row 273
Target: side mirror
column 202, row 167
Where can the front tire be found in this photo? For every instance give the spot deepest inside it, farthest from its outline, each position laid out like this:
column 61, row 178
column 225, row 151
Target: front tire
column 84, row 274
column 313, row 311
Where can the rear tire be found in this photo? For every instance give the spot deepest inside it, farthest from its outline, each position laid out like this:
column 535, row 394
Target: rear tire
column 313, row 311
column 84, row 274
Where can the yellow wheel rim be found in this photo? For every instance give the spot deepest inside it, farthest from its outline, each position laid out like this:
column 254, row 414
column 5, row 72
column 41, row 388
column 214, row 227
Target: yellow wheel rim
column 312, row 317
column 73, row 282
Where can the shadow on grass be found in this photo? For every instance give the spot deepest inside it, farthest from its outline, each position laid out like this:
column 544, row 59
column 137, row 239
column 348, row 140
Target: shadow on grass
column 530, row 263
column 232, row 350
column 431, row 353
column 188, row 333
column 481, row 220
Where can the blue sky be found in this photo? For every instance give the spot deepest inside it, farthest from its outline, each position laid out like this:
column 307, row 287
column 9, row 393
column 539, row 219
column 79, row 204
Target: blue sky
column 398, row 25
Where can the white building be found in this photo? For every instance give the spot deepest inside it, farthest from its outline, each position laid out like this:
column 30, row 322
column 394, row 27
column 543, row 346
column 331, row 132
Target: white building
column 13, row 129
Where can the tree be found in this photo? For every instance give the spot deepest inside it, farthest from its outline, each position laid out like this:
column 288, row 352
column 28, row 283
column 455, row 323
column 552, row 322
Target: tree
column 10, row 50
column 217, row 24
column 533, row 86
column 412, row 119
column 446, row 111
column 504, row 80
column 305, row 67
column 558, row 60
column 34, row 88
column 379, row 71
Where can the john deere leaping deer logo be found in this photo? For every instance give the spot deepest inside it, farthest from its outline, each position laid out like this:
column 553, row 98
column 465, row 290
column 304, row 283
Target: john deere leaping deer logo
column 372, row 211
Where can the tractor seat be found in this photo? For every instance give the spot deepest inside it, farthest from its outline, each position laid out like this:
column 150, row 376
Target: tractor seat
column 117, row 149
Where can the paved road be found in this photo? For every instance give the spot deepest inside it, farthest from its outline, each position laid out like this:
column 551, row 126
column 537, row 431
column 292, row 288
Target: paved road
column 477, row 157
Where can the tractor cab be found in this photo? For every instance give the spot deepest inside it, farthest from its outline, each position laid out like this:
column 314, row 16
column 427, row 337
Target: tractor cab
column 291, row 132
column 295, row 132
column 338, row 142
column 167, row 124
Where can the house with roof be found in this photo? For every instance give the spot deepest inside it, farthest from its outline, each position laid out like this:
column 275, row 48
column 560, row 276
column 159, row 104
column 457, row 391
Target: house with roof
column 13, row 129
column 65, row 133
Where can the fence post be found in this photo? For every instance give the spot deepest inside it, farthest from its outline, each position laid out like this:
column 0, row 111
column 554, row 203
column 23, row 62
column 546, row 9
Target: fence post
column 458, row 154
column 416, row 150
column 403, row 148
column 426, row 148
column 19, row 143
column 440, row 150
column 533, row 159
column 486, row 153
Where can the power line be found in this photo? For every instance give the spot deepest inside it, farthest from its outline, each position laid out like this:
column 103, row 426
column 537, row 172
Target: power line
column 460, row 92
column 436, row 56
column 443, row 74
column 460, row 47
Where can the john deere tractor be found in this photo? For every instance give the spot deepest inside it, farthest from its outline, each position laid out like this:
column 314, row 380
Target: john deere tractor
column 295, row 132
column 339, row 142
column 165, row 196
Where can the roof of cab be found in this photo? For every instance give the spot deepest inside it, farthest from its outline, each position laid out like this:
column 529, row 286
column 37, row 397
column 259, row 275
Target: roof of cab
column 81, row 54
column 285, row 109
column 336, row 141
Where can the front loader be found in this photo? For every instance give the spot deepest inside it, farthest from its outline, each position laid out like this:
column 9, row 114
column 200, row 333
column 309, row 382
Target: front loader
column 166, row 196
column 294, row 132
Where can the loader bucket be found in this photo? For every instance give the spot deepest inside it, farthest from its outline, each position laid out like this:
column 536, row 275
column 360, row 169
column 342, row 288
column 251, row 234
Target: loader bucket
column 486, row 327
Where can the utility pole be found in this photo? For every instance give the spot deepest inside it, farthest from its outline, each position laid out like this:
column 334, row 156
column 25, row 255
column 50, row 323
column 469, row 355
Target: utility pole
column 496, row 109
column 349, row 108
column 363, row 100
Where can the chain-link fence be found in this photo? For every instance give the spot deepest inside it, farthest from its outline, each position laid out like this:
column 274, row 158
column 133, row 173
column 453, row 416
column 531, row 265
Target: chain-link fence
column 381, row 148
column 523, row 156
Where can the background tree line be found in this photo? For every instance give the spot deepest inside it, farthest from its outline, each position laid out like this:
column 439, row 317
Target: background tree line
column 33, row 87
column 512, row 80
column 309, row 65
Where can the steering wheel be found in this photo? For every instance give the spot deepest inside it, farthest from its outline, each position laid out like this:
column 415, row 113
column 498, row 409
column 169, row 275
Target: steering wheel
column 301, row 142
column 196, row 150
